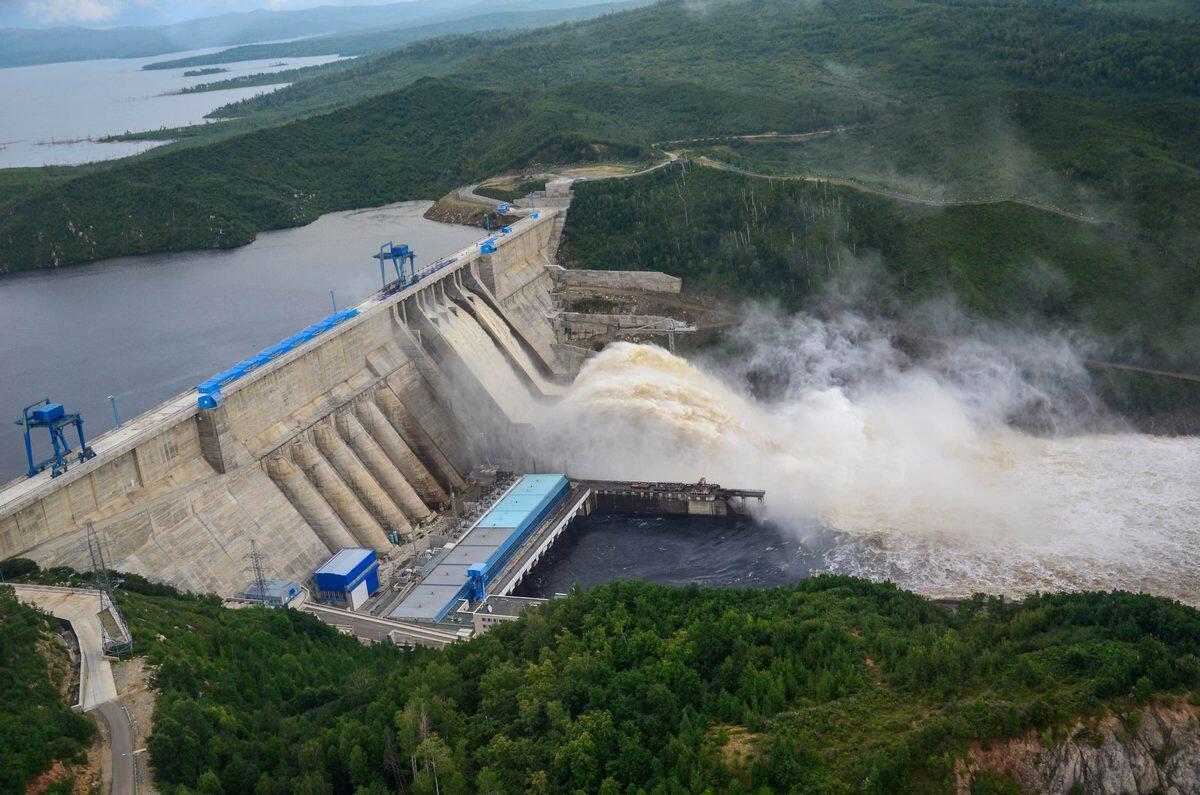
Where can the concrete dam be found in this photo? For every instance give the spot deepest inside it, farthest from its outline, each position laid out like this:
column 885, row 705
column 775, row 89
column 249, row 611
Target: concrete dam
column 363, row 436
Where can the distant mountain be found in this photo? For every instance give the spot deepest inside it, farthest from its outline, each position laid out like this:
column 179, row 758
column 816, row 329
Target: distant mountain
column 26, row 46
column 501, row 18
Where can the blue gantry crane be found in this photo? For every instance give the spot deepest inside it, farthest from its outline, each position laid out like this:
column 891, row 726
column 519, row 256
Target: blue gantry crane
column 55, row 419
column 398, row 256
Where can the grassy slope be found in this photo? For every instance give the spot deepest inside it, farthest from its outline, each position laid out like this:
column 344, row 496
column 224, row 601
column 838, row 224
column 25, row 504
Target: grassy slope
column 361, row 156
column 835, row 684
column 37, row 725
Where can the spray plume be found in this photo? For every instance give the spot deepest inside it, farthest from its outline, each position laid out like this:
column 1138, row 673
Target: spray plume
column 916, row 469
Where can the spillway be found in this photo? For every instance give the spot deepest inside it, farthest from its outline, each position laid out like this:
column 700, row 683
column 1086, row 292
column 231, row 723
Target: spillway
column 484, row 360
column 503, row 334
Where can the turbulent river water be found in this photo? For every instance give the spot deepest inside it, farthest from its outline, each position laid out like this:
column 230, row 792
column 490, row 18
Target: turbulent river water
column 902, row 470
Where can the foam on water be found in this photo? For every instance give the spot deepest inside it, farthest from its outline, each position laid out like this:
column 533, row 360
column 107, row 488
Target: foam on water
column 916, row 467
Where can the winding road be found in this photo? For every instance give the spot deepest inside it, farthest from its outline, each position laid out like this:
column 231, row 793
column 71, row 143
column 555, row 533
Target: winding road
column 97, row 688
column 843, row 182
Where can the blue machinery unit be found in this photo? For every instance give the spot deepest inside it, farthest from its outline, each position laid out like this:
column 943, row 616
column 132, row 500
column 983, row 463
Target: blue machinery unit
column 398, row 256
column 210, row 390
column 54, row 418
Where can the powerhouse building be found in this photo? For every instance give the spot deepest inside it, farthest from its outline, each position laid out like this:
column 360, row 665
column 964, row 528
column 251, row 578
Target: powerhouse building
column 461, row 571
column 348, row 579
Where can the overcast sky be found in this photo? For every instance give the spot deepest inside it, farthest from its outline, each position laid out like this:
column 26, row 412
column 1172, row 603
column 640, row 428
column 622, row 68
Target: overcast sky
column 108, row 13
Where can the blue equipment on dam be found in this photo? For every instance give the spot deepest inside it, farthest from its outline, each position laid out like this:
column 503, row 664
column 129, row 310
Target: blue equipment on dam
column 55, row 419
column 210, row 390
column 398, row 256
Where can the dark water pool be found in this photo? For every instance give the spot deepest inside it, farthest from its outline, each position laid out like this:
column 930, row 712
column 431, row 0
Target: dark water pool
column 736, row 552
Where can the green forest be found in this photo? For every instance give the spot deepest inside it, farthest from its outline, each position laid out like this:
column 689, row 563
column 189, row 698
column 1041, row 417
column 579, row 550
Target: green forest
column 36, row 720
column 834, row 685
column 1088, row 105
column 796, row 242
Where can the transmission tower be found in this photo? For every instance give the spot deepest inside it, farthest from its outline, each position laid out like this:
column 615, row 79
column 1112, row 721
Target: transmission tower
column 256, row 559
column 121, row 640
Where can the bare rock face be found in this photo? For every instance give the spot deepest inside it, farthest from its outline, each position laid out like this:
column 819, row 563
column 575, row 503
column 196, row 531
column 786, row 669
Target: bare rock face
column 1161, row 753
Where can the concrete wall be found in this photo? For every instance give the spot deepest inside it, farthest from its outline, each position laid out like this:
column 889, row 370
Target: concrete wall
column 647, row 281
column 180, row 492
column 580, row 325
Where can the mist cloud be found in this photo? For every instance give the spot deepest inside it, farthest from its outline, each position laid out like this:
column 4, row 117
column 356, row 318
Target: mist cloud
column 982, row 464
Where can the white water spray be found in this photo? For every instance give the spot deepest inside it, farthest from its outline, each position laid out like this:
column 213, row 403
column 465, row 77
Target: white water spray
column 915, row 466
column 485, row 361
column 508, row 340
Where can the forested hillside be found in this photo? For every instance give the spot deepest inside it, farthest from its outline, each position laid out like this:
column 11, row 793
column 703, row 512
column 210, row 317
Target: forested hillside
column 1087, row 105
column 36, row 721
column 794, row 241
column 835, row 685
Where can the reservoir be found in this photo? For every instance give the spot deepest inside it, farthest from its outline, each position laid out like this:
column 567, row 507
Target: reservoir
column 147, row 328
column 51, row 110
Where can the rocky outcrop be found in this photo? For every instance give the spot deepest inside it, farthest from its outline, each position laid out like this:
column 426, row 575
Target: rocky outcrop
column 1158, row 751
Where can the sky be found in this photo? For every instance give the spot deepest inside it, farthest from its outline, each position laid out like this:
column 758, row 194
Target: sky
column 109, row 13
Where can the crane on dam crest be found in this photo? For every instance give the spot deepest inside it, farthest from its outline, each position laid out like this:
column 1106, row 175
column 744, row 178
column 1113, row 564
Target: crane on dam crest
column 55, row 419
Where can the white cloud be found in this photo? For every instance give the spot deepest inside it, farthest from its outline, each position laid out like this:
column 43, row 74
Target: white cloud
column 73, row 11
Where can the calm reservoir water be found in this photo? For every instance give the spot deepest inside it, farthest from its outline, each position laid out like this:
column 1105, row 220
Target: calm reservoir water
column 48, row 112
column 147, row 328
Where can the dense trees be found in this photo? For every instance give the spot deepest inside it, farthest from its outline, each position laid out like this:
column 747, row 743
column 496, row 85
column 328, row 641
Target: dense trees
column 799, row 242
column 36, row 721
column 636, row 687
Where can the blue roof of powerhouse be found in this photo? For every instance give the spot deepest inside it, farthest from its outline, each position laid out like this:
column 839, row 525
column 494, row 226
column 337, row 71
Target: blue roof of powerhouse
column 483, row 542
column 345, row 560
column 537, row 484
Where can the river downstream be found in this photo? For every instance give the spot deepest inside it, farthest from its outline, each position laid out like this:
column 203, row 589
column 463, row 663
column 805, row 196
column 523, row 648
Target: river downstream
column 733, row 552
column 149, row 327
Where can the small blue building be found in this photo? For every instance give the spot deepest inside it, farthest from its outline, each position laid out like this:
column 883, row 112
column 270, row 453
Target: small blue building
column 348, row 579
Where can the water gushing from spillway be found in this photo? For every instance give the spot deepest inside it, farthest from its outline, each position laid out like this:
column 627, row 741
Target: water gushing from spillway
column 508, row 340
column 915, row 466
column 484, row 360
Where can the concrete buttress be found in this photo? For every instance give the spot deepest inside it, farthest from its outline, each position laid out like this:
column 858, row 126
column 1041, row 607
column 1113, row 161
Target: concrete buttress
column 399, row 452
column 310, row 504
column 339, row 496
column 377, row 462
column 359, row 479
column 407, row 427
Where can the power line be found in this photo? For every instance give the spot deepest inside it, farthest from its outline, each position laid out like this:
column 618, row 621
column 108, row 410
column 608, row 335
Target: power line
column 257, row 559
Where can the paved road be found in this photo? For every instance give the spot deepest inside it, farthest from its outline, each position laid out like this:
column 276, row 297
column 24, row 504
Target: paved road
column 98, row 690
column 82, row 609
column 709, row 162
column 120, row 734
column 377, row 629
